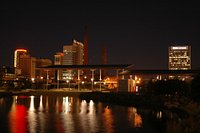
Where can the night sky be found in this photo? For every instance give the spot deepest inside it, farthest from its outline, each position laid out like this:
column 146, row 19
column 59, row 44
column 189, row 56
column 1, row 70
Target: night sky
column 136, row 33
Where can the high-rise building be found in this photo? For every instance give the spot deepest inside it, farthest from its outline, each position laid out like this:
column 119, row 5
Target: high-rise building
column 17, row 54
column 73, row 54
column 27, row 66
column 179, row 58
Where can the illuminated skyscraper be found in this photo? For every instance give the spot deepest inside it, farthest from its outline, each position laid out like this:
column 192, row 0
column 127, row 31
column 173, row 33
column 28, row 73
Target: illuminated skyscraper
column 17, row 54
column 180, row 58
column 73, row 54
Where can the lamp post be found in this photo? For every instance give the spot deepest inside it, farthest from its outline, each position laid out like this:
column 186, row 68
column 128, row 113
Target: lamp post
column 78, row 79
column 68, row 82
column 92, row 79
column 58, row 78
column 100, row 79
column 47, row 78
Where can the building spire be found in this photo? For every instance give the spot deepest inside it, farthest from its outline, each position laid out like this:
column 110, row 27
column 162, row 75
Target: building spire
column 85, row 46
column 104, row 59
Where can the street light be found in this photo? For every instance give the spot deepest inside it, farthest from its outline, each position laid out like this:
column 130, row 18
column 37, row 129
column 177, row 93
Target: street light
column 92, row 82
column 92, row 79
column 68, row 82
column 47, row 78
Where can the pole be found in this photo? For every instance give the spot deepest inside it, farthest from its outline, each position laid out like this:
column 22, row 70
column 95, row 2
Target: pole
column 92, row 78
column 78, row 79
column 58, row 76
column 122, row 75
column 100, row 78
column 47, row 78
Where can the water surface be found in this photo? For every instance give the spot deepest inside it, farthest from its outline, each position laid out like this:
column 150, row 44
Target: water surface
column 49, row 114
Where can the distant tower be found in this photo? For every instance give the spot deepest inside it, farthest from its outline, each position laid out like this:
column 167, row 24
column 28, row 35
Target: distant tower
column 104, row 55
column 85, row 46
column 104, row 60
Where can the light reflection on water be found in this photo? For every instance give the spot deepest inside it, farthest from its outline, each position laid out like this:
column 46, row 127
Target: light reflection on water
column 108, row 120
column 67, row 114
column 32, row 120
column 134, row 118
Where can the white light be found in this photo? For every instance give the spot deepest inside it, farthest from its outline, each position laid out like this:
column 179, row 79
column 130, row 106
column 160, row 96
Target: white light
column 179, row 48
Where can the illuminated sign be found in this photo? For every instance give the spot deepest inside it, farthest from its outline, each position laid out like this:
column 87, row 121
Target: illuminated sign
column 180, row 48
column 21, row 50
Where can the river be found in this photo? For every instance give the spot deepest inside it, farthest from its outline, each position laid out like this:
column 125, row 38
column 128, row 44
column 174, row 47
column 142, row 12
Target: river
column 56, row 114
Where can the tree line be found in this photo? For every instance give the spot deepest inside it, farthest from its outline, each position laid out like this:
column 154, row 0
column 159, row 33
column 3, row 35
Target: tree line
column 175, row 87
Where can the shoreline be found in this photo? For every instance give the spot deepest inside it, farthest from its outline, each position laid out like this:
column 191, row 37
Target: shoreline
column 118, row 98
column 41, row 92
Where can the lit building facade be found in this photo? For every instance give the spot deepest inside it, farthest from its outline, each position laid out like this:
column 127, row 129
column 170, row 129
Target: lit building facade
column 73, row 53
column 17, row 54
column 27, row 66
column 179, row 58
column 58, row 58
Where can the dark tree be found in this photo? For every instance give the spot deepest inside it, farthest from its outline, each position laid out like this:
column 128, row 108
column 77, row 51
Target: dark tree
column 195, row 88
column 168, row 87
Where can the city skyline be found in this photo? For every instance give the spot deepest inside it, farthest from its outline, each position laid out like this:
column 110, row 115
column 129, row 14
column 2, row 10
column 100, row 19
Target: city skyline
column 138, row 33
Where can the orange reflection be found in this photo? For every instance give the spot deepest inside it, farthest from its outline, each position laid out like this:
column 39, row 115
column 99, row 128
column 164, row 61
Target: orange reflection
column 18, row 120
column 135, row 118
column 59, row 106
column 108, row 120
column 59, row 125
